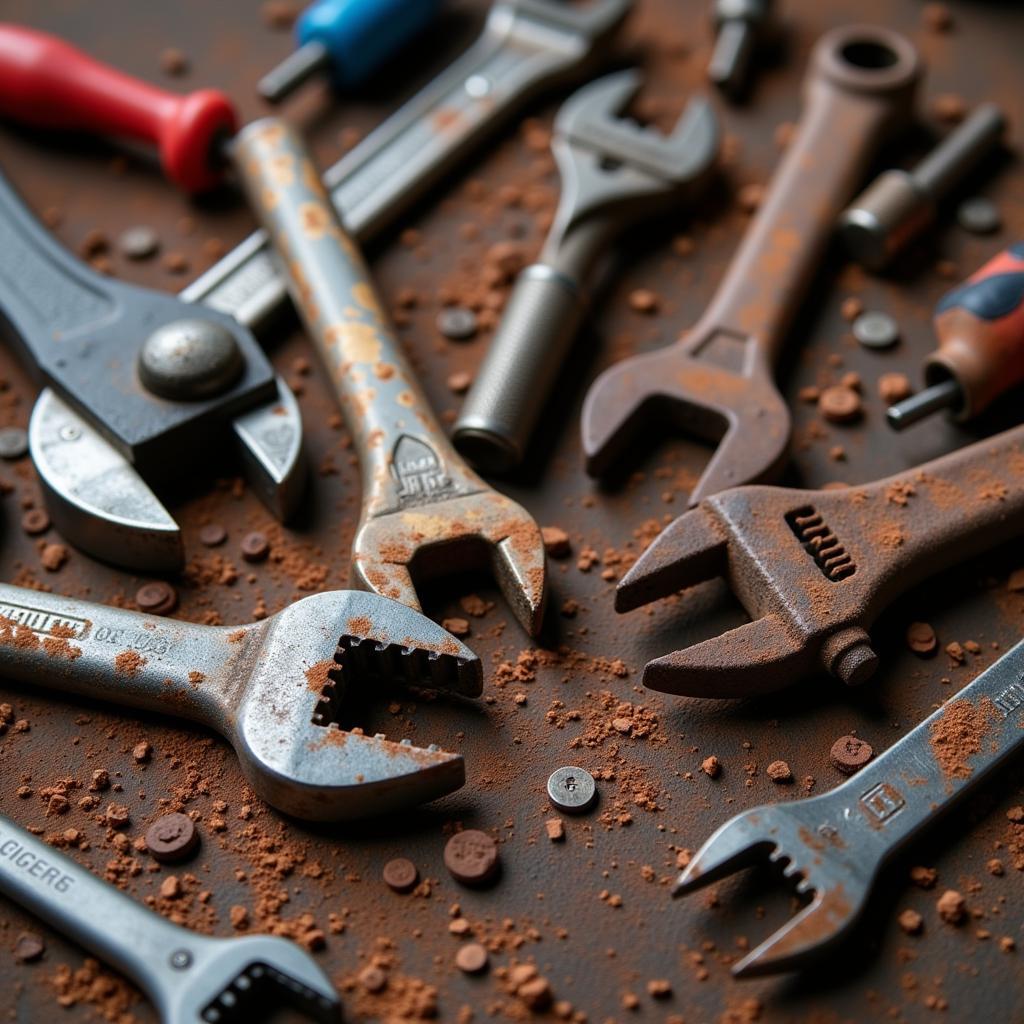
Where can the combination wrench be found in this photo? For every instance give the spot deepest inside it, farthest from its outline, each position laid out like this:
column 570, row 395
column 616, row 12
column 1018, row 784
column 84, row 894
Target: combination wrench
column 615, row 173
column 189, row 978
column 276, row 690
column 424, row 511
column 717, row 381
column 833, row 846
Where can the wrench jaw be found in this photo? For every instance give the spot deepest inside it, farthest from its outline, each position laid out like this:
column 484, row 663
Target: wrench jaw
column 741, row 413
column 287, row 730
column 810, row 855
column 233, row 981
column 478, row 530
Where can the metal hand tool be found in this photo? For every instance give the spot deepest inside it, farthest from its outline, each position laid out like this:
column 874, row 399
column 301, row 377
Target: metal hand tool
column 349, row 40
column 814, row 569
column 424, row 510
column 157, row 381
column 980, row 327
column 716, row 382
column 833, row 846
column 739, row 26
column 614, row 173
column 898, row 205
column 276, row 690
column 527, row 46
column 189, row 978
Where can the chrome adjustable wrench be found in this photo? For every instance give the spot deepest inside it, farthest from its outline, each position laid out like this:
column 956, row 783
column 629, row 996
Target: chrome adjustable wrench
column 424, row 510
column 615, row 173
column 189, row 978
column 834, row 845
column 527, row 46
column 274, row 689
column 147, row 385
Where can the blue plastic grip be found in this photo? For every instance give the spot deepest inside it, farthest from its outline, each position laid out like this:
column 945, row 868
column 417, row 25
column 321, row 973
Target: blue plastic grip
column 361, row 35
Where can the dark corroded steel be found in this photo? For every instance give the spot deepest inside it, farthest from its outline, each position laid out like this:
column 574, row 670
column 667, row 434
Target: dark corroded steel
column 834, row 845
column 424, row 509
column 814, row 569
column 717, row 382
column 274, row 689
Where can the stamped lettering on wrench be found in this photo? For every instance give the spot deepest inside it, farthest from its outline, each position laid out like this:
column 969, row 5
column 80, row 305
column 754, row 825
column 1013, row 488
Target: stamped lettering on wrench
column 419, row 471
column 1010, row 699
column 44, row 623
column 881, row 802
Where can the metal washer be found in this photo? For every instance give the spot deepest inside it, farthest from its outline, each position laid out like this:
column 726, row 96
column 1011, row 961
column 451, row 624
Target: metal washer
column 572, row 790
column 876, row 330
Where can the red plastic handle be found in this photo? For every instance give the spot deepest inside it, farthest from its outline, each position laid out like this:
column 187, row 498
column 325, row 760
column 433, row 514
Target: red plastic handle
column 46, row 82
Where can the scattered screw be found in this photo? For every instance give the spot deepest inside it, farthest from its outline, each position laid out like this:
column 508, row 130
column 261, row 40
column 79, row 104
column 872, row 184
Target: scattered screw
column 457, row 323
column 979, row 215
column 876, row 330
column 172, row 838
column 400, row 875
column 13, row 443
column 157, row 597
column 571, row 790
column 472, row 857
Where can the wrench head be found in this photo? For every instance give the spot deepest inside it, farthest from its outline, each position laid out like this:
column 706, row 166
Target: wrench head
column 482, row 529
column 811, row 854
column 233, row 981
column 306, row 659
column 589, row 24
column 591, row 121
column 731, row 402
column 796, row 561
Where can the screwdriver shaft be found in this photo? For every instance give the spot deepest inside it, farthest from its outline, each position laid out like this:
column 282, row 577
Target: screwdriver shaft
column 947, row 395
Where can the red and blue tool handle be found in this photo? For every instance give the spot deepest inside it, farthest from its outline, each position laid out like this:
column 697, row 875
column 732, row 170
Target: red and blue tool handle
column 47, row 83
column 360, row 35
column 980, row 328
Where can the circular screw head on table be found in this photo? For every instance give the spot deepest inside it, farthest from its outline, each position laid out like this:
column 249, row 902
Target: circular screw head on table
column 457, row 323
column 572, row 790
column 190, row 359
column 979, row 216
column 472, row 857
column 172, row 838
column 13, row 443
column 157, row 597
column 876, row 330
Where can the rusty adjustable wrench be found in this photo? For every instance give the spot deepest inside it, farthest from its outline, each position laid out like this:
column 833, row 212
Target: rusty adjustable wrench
column 834, row 845
column 717, row 381
column 424, row 510
column 814, row 569
column 275, row 689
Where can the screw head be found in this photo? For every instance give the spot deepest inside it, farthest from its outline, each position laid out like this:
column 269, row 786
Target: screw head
column 187, row 360
column 571, row 790
column 876, row 330
column 180, row 959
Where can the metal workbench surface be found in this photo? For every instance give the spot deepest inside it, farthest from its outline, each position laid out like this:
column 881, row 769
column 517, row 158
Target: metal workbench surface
column 592, row 912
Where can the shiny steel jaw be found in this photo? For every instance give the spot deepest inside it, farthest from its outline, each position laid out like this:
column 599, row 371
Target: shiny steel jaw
column 101, row 504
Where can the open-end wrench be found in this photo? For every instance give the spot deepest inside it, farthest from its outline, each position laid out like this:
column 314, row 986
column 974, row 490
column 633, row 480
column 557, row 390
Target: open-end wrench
column 814, row 569
column 614, row 174
column 717, row 381
column 834, row 845
column 275, row 689
column 189, row 978
column 148, row 384
column 527, row 46
column 424, row 511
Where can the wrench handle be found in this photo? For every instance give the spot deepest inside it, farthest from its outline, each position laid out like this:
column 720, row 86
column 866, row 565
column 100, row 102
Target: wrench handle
column 859, row 90
column 47, row 83
column 522, row 363
column 120, row 656
column 406, row 457
column 93, row 913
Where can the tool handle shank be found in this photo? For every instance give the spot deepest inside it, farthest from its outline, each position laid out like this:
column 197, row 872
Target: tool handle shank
column 522, row 363
column 980, row 327
column 950, row 752
column 93, row 913
column 406, row 454
column 47, row 83
column 121, row 656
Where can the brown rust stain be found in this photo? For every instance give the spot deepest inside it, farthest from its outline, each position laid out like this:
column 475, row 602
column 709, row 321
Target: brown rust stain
column 958, row 734
column 128, row 663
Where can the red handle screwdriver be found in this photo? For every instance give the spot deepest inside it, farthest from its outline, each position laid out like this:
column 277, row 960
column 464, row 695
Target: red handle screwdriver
column 46, row 82
column 980, row 327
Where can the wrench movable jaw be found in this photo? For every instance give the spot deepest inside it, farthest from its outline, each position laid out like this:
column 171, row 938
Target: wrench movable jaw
column 238, row 981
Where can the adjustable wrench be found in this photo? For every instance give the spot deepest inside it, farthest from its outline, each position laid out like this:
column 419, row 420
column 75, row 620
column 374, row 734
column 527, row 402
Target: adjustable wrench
column 716, row 382
column 834, row 845
column 814, row 569
column 189, row 978
column 527, row 46
column 614, row 174
column 424, row 510
column 274, row 689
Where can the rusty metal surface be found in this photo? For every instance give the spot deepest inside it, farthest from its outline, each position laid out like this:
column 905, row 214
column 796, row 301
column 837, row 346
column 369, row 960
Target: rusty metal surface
column 593, row 912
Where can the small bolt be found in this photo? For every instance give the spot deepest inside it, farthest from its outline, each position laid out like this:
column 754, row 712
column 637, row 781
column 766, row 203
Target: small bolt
column 180, row 959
